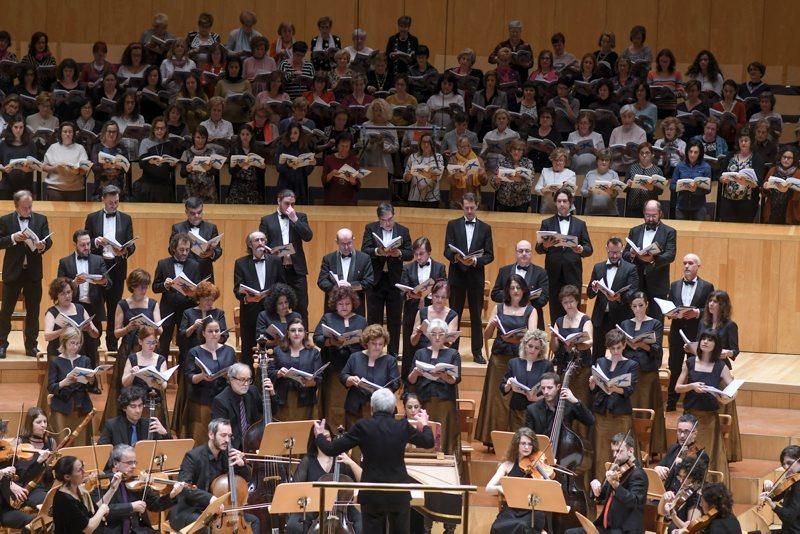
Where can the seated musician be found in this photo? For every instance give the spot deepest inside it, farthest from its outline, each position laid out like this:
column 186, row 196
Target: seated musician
column 682, row 506
column 128, row 506
column 789, row 509
column 74, row 511
column 523, row 459
column 200, row 467
column 240, row 402
column 541, row 413
column 623, row 494
column 34, row 473
column 315, row 465
column 686, row 445
column 130, row 426
column 382, row 440
column 717, row 504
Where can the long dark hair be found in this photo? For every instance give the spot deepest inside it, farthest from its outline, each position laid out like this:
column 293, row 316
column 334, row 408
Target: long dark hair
column 287, row 136
column 716, row 352
column 507, row 289
column 311, row 448
column 8, row 135
column 725, row 307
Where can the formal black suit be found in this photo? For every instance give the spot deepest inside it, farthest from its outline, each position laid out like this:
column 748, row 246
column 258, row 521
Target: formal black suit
column 410, row 278
column 672, row 483
column 120, row 510
column 387, row 271
column 626, row 512
column 539, row 417
column 360, row 272
column 382, row 440
column 95, row 303
column 118, row 430
column 653, row 277
column 207, row 231
column 689, row 326
column 226, row 406
column 244, row 272
column 536, row 278
column 172, row 301
column 22, row 271
column 605, row 320
column 563, row 265
column 124, row 233
column 295, row 270
column 466, row 282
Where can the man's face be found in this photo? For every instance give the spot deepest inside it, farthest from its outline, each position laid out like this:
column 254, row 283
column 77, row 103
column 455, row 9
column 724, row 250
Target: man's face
column 523, row 253
column 285, row 203
column 563, row 204
column 194, row 215
column 685, row 434
column 690, row 267
column 387, row 221
column 241, row 383
column 111, row 203
column 126, row 464
column 549, row 390
column 25, row 207
column 182, row 250
column 83, row 245
column 614, row 251
column 258, row 242
column 345, row 243
column 133, row 411
column 652, row 215
column 470, row 209
column 222, row 439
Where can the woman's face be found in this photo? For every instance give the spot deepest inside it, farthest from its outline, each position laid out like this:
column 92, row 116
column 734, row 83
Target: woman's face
column 447, row 87
column 294, row 135
column 341, row 61
column 112, row 132
column 136, row 56
column 693, row 154
column 693, row 92
column 465, row 62
column 319, row 85
column 205, row 303
column 216, row 54
column 41, row 44
column 233, row 69
column 627, row 118
column 562, row 90
column 464, row 148
column 605, row 43
column 637, row 39
column 191, row 85
column 324, row 28
column 65, row 296
column 602, row 92
column 45, row 110
column 130, row 104
column 663, row 62
column 501, row 121
column 584, row 126
column 274, row 86
column 343, row 148
column 68, row 74
column 67, row 133
column 12, row 108
column 545, row 120
column 245, row 136
column 73, row 346
column 344, row 307
column 174, row 115
column 713, row 306
column 152, row 78
column 603, row 165
column 109, row 83
column 400, row 86
column 297, row 334
column 728, row 92
column 199, row 140
column 17, row 129
column 4, row 45
column 380, row 66
column 787, row 158
column 559, row 164
column 76, row 477
column 377, row 114
column 623, row 68
column 533, row 348
column 359, row 41
column 744, row 144
column 670, row 131
column 558, row 47
column 516, row 153
column 704, row 63
column 707, row 344
column 490, row 81
column 39, row 425
column 569, row 304
column 216, row 113
column 765, row 105
column 160, row 130
column 358, row 86
column 587, row 64
column 525, row 446
column 30, row 77
column 639, row 307
column 340, row 121
column 437, row 337
column 762, row 131
column 515, row 291
column 286, row 34
column 282, row 306
column 422, row 61
column 641, row 93
column 149, row 343
column 425, row 146
column 212, row 333
column 412, row 407
column 179, row 50
column 439, row 299
column 375, row 346
column 646, row 156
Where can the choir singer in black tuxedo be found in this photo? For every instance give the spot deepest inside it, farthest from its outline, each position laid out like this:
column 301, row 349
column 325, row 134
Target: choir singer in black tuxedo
column 286, row 226
column 259, row 271
column 172, row 301
column 352, row 268
column 653, row 269
column 387, row 268
column 534, row 276
column 91, row 293
column 103, row 226
column 240, row 402
column 195, row 224
column 22, row 268
column 616, row 274
column 690, row 291
column 466, row 275
column 564, row 265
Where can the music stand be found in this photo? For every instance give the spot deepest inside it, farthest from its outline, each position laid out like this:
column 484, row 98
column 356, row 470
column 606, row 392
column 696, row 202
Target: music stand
column 212, row 510
column 169, row 453
column 285, row 439
column 534, row 495
column 86, row 454
column 501, row 440
column 299, row 498
column 655, row 486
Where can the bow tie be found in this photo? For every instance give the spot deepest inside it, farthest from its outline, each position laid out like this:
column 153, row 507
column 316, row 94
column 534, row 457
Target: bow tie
column 521, row 268
column 651, row 227
column 194, row 225
column 560, row 218
column 426, row 264
column 259, row 260
column 689, row 282
column 612, row 264
column 28, row 218
column 283, row 216
column 469, row 222
column 348, row 256
column 111, row 215
column 82, row 256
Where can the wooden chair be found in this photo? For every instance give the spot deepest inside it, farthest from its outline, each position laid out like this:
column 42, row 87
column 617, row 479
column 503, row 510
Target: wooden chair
column 466, row 425
column 643, row 430
column 715, row 477
column 42, row 523
column 725, row 425
column 587, row 525
column 664, row 376
column 750, row 521
column 237, row 328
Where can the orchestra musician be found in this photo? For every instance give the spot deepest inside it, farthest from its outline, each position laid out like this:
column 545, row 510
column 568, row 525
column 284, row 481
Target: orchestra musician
column 540, row 414
column 681, row 505
column 716, row 502
column 523, row 459
column 240, row 402
column 295, row 396
column 687, row 445
column 534, row 276
column 200, row 467
column 130, row 427
column 623, row 494
column 352, row 268
column 197, row 225
column 382, row 440
column 788, row 510
column 71, row 401
column 527, row 369
column 74, row 511
column 34, row 431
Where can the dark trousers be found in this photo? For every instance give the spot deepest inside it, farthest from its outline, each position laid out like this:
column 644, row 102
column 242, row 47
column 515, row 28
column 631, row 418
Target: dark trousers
column 169, row 327
column 385, row 521
column 113, row 296
column 386, row 296
column 474, row 297
column 736, row 210
column 32, row 291
column 599, row 342
column 92, row 345
column 677, row 354
column 559, row 279
column 248, row 318
column 299, row 283
column 410, row 310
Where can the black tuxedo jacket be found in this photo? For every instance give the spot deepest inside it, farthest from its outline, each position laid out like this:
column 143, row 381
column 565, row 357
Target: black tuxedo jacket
column 410, row 274
column 701, row 294
column 68, row 268
column 654, row 277
column 244, row 272
column 94, row 225
column 117, row 430
column 360, row 271
column 536, row 277
column 558, row 259
column 627, row 506
column 620, row 310
column 368, row 246
column 226, row 406
column 120, row 509
column 207, row 231
column 540, row 421
column 171, row 300
column 17, row 253
column 460, row 275
column 298, row 232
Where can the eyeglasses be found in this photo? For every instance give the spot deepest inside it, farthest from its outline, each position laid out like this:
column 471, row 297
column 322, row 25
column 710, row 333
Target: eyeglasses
column 246, row 381
column 130, row 462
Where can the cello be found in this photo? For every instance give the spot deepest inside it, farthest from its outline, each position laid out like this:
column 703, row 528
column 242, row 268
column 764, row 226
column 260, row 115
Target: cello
column 232, row 521
column 571, row 453
column 336, row 522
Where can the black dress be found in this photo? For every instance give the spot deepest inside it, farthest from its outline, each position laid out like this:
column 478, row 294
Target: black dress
column 79, row 316
column 160, row 398
column 518, row 368
column 70, row 515
column 265, row 319
column 293, row 401
column 516, row 520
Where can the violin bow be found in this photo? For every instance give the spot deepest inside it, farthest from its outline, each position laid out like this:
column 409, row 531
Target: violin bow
column 780, row 478
column 700, row 491
column 149, row 472
column 685, row 444
column 19, row 429
column 689, row 474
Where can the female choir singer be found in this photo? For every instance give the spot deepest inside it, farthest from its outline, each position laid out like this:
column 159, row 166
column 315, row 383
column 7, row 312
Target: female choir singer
column 147, row 357
column 296, row 396
column 70, row 402
column 527, row 370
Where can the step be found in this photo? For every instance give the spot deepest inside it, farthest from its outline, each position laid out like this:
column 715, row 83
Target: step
column 747, row 478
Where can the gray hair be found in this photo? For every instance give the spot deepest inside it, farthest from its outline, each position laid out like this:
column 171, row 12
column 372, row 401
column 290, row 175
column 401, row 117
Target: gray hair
column 358, row 32
column 627, row 108
column 236, row 369
column 514, row 24
column 437, row 323
column 422, row 109
column 214, row 425
column 383, row 401
column 119, row 451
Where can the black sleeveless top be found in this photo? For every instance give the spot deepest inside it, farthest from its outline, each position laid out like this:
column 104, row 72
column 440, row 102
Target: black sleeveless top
column 564, row 356
column 705, row 402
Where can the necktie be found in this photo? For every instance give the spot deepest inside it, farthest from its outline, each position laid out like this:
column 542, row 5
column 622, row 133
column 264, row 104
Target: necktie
column 123, row 498
column 242, row 416
column 521, row 268
column 111, row 215
column 560, row 218
column 83, row 256
column 258, row 260
column 346, row 255
column 180, row 262
column 689, row 282
column 134, row 435
column 612, row 264
column 283, row 216
column 469, row 223
column 194, row 225
column 607, row 509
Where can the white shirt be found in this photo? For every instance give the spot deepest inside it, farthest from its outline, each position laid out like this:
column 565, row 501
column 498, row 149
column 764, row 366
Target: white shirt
column 611, row 274
column 687, row 292
column 648, row 236
column 563, row 226
column 109, row 232
column 23, row 225
column 283, row 221
column 345, row 262
column 178, row 267
column 424, row 272
column 470, row 230
column 261, row 272
column 194, row 230
column 82, row 267
column 520, row 272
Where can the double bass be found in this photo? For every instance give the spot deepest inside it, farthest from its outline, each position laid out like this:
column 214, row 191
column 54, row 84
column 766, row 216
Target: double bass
column 573, row 454
column 336, row 522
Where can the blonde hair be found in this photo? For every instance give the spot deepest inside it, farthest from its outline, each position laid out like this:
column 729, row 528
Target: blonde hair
column 538, row 335
column 66, row 335
column 560, row 152
column 381, row 104
column 673, row 122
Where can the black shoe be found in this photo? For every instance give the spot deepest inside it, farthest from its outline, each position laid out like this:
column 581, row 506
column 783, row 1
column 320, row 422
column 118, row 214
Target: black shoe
column 670, row 408
column 32, row 351
column 2, row 353
column 479, row 359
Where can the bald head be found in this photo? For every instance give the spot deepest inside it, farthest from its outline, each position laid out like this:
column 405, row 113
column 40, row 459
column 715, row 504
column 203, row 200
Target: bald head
column 691, row 264
column 652, row 212
column 344, row 240
column 523, row 251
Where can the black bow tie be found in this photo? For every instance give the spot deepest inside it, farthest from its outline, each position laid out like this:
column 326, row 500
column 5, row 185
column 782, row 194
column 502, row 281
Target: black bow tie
column 82, row 256
column 560, row 218
column 28, row 218
column 259, row 260
column 469, row 222
column 426, row 264
column 346, row 255
column 689, row 282
column 111, row 215
column 650, row 227
column 179, row 262
column 612, row 264
column 283, row 216
column 194, row 225
column 521, row 268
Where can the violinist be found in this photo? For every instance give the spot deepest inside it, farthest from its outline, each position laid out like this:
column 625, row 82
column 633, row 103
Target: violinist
column 539, row 415
column 717, row 505
column 34, row 432
column 682, row 505
column 130, row 426
column 686, row 445
column 527, row 370
column 624, row 492
column 612, row 403
column 314, row 466
column 240, row 402
column 296, row 396
column 789, row 509
column 200, row 467
column 523, row 459
column 74, row 512
column 128, row 506
column 70, row 402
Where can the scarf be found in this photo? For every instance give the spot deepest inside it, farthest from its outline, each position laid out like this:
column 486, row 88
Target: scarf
column 318, row 44
column 41, row 56
column 462, row 160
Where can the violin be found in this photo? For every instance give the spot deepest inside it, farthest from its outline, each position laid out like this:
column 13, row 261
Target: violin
column 618, row 472
column 22, row 451
column 783, row 486
column 535, row 466
column 696, row 526
column 162, row 486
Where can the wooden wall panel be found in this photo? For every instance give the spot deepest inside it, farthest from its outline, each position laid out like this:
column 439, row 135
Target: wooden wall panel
column 125, row 23
column 66, row 23
column 273, row 13
column 182, row 17
column 21, row 19
column 379, row 19
column 677, row 34
column 537, row 21
column 475, row 25
column 428, row 22
column 730, row 47
column 581, row 21
column 779, row 33
column 787, row 298
column 622, row 15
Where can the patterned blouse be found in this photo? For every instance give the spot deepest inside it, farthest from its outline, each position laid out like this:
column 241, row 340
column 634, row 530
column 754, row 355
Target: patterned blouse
column 514, row 193
column 734, row 190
